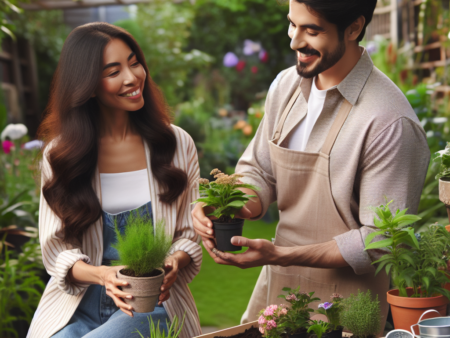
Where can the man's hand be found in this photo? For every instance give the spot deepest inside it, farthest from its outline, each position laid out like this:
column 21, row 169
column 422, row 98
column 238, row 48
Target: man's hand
column 260, row 252
column 203, row 224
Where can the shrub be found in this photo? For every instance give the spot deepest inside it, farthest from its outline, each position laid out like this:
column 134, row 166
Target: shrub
column 361, row 315
column 143, row 247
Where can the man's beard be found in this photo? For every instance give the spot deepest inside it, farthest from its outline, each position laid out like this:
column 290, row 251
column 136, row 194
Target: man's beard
column 328, row 61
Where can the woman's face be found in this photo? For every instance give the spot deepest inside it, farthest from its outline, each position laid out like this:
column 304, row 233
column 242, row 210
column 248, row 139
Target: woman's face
column 122, row 80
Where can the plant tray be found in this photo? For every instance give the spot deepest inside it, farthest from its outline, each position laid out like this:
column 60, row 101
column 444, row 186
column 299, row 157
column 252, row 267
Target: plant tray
column 240, row 330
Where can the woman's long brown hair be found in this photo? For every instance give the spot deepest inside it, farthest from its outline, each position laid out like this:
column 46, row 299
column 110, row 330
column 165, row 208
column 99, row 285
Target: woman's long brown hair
column 72, row 122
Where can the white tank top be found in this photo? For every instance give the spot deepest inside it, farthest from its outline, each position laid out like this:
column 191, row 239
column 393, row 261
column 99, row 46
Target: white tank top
column 124, row 191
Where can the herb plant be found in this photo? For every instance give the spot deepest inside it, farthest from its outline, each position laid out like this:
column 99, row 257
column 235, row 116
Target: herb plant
column 332, row 310
column 319, row 327
column 297, row 317
column 399, row 239
column 174, row 329
column 142, row 248
column 224, row 195
column 361, row 315
column 416, row 260
column 443, row 156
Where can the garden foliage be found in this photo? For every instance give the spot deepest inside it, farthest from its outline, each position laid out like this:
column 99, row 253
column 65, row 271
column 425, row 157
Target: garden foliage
column 361, row 315
column 443, row 158
column 143, row 247
column 174, row 328
column 319, row 327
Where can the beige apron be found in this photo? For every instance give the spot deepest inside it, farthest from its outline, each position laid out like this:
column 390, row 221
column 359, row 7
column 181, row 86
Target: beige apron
column 308, row 215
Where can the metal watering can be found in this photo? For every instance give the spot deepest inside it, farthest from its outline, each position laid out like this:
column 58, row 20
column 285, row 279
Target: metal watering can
column 438, row 327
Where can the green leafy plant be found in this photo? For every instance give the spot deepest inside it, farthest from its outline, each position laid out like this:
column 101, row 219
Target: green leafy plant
column 20, row 286
column 319, row 327
column 399, row 239
column 297, row 317
column 155, row 332
column 224, row 195
column 418, row 264
column 332, row 310
column 361, row 314
column 443, row 158
column 142, row 248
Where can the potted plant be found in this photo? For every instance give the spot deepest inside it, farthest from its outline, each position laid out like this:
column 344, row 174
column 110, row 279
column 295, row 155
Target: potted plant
column 224, row 196
column 296, row 321
column 319, row 327
column 332, row 311
column 270, row 319
column 174, row 329
column 443, row 156
column 361, row 315
column 417, row 264
column 142, row 249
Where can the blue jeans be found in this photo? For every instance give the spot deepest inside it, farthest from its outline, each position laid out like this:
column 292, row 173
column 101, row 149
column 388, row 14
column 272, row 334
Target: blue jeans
column 97, row 316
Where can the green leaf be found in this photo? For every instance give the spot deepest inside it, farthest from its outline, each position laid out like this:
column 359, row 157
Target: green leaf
column 380, row 244
column 371, row 236
column 236, row 204
column 406, row 220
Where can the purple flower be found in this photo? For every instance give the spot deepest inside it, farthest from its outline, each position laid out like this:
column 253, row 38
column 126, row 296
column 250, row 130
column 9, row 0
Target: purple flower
column 371, row 47
column 35, row 144
column 230, row 60
column 326, row 305
column 251, row 47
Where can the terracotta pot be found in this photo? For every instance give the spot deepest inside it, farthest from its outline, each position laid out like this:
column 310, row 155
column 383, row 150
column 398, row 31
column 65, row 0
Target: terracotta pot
column 225, row 231
column 406, row 311
column 145, row 291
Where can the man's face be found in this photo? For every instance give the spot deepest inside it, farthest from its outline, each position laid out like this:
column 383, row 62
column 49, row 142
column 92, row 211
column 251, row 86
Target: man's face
column 316, row 41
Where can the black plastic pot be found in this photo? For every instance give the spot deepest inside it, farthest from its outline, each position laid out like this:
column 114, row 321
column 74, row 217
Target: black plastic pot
column 225, row 231
column 300, row 335
column 333, row 334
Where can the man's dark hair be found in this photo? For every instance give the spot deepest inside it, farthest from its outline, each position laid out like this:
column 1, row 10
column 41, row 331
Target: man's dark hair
column 343, row 13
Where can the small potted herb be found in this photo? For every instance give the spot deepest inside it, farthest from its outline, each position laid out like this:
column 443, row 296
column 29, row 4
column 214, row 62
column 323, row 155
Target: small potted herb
column 416, row 262
column 296, row 321
column 332, row 310
column 319, row 327
column 224, row 196
column 443, row 157
column 270, row 319
column 361, row 315
column 143, row 250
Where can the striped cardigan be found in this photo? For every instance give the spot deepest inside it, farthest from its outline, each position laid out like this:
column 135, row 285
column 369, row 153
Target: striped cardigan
column 61, row 298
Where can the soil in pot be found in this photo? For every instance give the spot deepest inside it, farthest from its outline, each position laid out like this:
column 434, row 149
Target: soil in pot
column 145, row 290
column 406, row 311
column 252, row 332
column 333, row 334
column 225, row 231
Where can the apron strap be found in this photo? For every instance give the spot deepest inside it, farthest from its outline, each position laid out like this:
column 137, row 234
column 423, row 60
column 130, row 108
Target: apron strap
column 339, row 121
column 277, row 135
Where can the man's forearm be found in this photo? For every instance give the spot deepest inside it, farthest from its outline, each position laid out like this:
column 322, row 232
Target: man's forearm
column 254, row 204
column 323, row 255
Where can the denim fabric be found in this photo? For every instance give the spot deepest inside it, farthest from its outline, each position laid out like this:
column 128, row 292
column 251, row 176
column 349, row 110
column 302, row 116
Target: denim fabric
column 97, row 316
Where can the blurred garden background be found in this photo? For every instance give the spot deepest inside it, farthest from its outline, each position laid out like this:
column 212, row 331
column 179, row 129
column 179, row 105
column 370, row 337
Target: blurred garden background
column 214, row 60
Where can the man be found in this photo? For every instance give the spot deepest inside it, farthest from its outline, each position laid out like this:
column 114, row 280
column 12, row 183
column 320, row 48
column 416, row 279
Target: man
column 337, row 137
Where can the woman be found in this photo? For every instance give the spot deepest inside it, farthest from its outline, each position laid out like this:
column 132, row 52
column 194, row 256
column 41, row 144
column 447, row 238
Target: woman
column 110, row 149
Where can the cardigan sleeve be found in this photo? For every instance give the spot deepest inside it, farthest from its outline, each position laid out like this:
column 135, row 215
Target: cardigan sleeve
column 58, row 257
column 185, row 238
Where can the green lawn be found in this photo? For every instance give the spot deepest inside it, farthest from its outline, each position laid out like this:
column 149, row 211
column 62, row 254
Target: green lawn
column 222, row 292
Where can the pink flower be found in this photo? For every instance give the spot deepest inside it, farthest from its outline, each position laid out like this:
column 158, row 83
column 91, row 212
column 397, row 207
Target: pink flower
column 240, row 66
column 254, row 69
column 261, row 320
column 283, row 311
column 7, row 145
column 291, row 297
column 268, row 311
column 271, row 324
column 261, row 329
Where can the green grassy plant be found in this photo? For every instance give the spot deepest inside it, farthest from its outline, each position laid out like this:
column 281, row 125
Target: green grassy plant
column 361, row 315
column 155, row 332
column 143, row 247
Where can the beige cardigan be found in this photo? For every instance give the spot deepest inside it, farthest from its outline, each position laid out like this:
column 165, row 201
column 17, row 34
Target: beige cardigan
column 61, row 298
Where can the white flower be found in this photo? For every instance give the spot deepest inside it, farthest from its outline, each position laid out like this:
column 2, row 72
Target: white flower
column 14, row 131
column 35, row 144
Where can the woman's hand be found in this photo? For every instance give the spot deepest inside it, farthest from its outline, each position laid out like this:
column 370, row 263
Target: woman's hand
column 111, row 283
column 171, row 269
